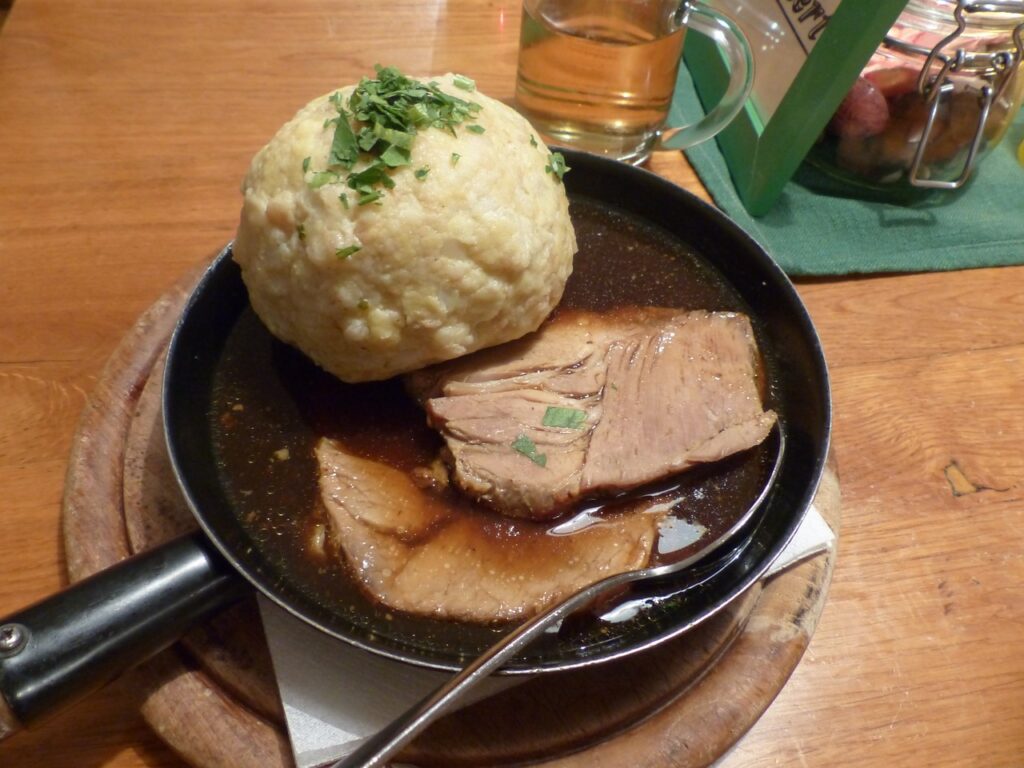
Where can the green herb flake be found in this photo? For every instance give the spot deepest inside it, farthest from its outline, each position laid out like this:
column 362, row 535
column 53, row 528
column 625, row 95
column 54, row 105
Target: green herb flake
column 524, row 445
column 475, row 128
column 421, row 173
column 420, row 115
column 320, row 178
column 533, row 140
column 371, row 176
column 344, row 149
column 344, row 253
column 402, row 139
column 365, row 198
column 557, row 165
column 300, row 230
column 455, row 158
column 305, row 163
column 571, row 418
column 366, row 140
column 395, row 156
column 463, row 82
column 343, row 197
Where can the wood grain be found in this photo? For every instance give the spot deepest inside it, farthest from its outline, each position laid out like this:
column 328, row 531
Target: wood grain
column 124, row 133
column 9, row 724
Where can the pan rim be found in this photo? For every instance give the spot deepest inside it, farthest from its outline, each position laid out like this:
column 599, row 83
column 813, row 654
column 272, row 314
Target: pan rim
column 673, row 196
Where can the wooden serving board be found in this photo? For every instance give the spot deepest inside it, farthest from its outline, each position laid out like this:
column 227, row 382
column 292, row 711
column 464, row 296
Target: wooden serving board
column 213, row 698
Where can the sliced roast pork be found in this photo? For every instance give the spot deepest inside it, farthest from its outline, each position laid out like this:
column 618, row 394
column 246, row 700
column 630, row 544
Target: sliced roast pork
column 594, row 404
column 413, row 552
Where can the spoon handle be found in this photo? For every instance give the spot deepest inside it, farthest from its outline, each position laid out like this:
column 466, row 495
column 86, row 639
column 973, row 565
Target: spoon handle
column 375, row 751
column 378, row 748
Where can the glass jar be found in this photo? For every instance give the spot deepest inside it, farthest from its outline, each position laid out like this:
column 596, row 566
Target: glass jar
column 936, row 96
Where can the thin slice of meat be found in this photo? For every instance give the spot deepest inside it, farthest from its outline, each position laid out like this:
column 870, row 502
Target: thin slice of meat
column 596, row 404
column 412, row 553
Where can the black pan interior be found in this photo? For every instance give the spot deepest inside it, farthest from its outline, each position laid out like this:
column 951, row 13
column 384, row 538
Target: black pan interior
column 798, row 381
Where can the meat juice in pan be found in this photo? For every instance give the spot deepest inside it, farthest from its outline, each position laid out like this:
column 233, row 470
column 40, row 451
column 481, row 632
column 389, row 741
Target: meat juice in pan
column 271, row 406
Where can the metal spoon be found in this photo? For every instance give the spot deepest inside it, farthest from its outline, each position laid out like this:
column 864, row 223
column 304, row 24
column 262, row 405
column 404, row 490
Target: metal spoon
column 377, row 749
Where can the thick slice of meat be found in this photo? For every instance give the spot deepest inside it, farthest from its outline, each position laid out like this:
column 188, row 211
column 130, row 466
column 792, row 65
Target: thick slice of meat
column 411, row 552
column 676, row 397
column 636, row 395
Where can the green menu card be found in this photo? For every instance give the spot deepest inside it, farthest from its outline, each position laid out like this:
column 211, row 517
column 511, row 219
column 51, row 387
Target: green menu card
column 807, row 55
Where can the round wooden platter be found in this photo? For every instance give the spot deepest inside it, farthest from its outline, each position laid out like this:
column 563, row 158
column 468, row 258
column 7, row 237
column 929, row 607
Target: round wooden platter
column 213, row 698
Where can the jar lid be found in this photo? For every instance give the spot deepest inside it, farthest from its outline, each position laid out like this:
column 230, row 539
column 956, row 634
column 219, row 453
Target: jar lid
column 990, row 15
column 981, row 34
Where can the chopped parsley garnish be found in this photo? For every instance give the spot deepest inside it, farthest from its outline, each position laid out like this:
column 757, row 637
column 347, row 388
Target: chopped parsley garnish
column 343, row 197
column 344, row 149
column 344, row 253
column 556, row 165
column 463, row 82
column 455, row 158
column 572, row 418
column 320, row 178
column 394, row 156
column 300, row 230
column 533, row 140
column 305, row 164
column 528, row 448
column 381, row 119
column 370, row 177
column 421, row 173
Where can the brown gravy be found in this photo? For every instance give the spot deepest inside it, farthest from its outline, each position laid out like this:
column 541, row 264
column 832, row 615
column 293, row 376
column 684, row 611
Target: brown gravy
column 271, row 405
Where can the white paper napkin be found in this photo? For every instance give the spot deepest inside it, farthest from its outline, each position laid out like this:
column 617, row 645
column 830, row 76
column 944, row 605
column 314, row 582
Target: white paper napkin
column 334, row 695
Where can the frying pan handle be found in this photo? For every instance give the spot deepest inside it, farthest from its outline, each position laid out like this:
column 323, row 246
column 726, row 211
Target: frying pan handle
column 68, row 645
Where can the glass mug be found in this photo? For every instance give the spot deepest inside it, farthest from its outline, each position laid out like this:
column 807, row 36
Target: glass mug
column 599, row 75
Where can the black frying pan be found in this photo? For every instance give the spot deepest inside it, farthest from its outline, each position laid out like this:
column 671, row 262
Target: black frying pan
column 70, row 644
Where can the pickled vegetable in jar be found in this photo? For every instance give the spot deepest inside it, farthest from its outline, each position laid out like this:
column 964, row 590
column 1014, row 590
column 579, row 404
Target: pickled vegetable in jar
column 937, row 95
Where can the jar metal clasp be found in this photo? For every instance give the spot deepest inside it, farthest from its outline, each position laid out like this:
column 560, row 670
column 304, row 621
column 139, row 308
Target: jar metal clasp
column 994, row 68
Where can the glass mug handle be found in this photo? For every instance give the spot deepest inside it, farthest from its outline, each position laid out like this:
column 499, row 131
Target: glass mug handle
column 698, row 17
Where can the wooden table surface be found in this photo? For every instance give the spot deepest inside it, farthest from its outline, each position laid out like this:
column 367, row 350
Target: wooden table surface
column 125, row 129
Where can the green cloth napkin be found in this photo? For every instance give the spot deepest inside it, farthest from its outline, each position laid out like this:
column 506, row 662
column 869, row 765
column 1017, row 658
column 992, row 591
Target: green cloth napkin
column 809, row 233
